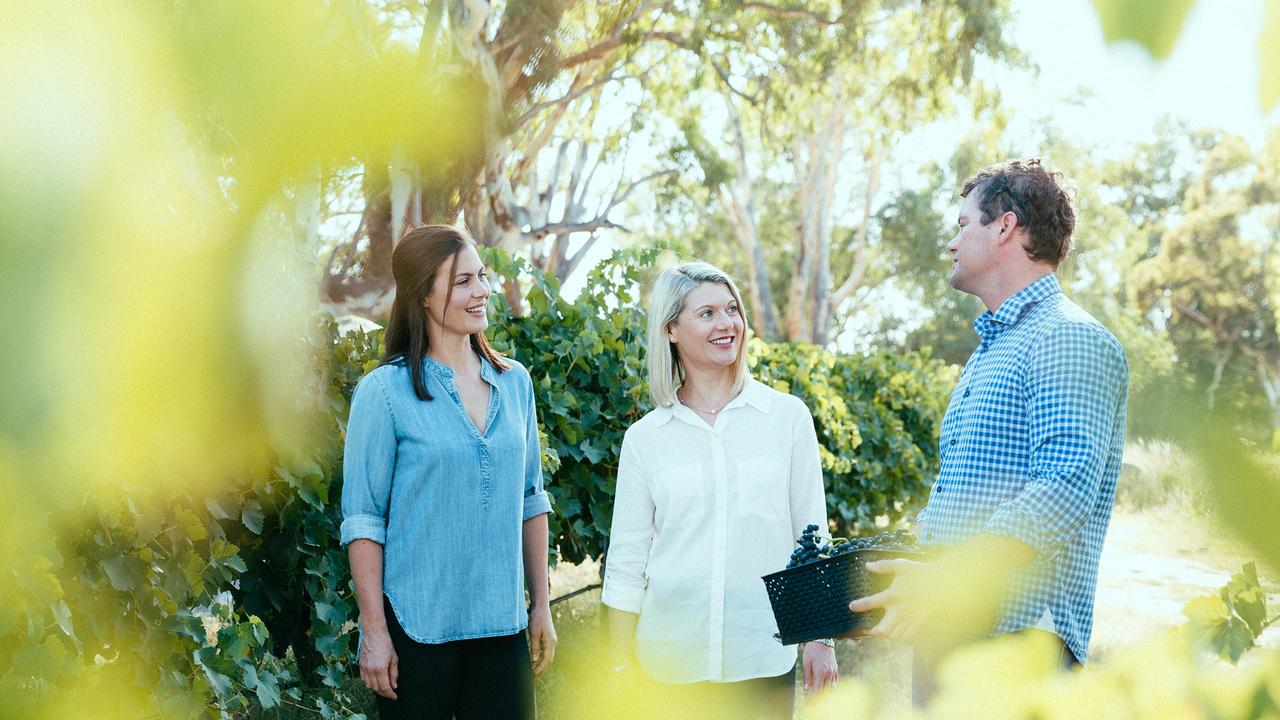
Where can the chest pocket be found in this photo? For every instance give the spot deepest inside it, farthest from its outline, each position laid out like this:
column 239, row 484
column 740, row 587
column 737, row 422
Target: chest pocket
column 759, row 488
column 680, row 500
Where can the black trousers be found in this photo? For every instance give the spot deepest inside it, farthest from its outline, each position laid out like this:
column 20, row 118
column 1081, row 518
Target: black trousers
column 481, row 679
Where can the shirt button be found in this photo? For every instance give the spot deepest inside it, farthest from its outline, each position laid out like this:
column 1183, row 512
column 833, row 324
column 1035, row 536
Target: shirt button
column 966, row 393
column 952, row 443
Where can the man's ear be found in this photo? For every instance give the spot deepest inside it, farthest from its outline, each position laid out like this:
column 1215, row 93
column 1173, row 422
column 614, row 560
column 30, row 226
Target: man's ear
column 1008, row 225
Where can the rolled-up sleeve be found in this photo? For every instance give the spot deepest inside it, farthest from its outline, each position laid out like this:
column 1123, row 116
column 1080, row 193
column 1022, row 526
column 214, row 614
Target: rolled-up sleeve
column 368, row 462
column 536, row 501
column 630, row 534
column 808, row 498
column 1077, row 381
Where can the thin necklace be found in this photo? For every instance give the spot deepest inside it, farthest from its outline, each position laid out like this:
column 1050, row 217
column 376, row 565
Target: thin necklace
column 709, row 412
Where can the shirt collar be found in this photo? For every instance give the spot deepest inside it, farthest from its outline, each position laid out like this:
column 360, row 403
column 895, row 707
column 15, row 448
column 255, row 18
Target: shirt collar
column 990, row 324
column 445, row 373
column 754, row 393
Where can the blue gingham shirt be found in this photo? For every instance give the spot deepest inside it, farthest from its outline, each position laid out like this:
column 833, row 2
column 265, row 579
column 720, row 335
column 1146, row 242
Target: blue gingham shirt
column 1031, row 448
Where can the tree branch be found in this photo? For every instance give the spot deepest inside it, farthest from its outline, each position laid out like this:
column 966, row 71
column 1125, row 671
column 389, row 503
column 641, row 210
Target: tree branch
column 798, row 12
column 572, row 95
column 619, row 199
column 724, row 77
column 1200, row 317
column 573, row 261
column 564, row 228
column 613, row 43
column 351, row 251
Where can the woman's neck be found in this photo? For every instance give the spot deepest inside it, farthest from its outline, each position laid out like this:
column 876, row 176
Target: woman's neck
column 453, row 350
column 707, row 389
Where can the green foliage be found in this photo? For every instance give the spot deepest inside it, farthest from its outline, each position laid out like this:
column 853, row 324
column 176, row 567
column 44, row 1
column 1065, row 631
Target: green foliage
column 877, row 419
column 1229, row 623
column 1210, row 279
column 195, row 601
column 587, row 363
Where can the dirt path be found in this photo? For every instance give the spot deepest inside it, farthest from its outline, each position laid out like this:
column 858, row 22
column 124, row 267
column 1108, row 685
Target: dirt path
column 1153, row 562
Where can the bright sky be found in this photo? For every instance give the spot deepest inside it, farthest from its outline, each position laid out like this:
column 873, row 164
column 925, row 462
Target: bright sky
column 1211, row 78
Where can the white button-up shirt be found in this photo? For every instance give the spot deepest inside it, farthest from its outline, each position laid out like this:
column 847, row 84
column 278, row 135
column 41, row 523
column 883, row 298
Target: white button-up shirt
column 700, row 514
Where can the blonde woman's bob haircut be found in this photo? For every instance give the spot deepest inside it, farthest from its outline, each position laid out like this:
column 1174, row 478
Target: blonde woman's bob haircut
column 666, row 372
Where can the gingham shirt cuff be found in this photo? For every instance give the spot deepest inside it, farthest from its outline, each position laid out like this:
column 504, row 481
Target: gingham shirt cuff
column 621, row 597
column 536, row 504
column 364, row 527
column 1023, row 525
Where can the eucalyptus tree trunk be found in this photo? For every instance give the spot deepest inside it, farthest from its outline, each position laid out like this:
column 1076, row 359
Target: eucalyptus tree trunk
column 737, row 199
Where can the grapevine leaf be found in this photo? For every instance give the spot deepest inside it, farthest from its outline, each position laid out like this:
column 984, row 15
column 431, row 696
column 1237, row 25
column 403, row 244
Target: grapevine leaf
column 124, row 571
column 62, row 613
column 190, row 524
column 268, row 690
column 252, row 516
column 330, row 613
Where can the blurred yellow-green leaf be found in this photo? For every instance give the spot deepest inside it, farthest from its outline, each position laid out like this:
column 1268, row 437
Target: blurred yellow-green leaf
column 1153, row 24
column 1269, row 58
column 1206, row 609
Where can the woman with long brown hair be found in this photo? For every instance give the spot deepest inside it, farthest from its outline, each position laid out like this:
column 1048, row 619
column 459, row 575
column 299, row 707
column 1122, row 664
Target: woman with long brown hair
column 445, row 517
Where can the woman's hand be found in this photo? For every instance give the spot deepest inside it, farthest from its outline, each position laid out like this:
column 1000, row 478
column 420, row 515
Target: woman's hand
column 379, row 666
column 542, row 639
column 820, row 669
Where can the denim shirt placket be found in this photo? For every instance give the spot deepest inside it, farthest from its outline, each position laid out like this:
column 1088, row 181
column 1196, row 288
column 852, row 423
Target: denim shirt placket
column 445, row 374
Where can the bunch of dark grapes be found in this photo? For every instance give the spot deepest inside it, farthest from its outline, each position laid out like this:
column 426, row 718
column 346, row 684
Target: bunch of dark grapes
column 808, row 550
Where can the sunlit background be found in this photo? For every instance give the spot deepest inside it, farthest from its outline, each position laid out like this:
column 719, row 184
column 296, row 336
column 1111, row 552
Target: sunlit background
column 189, row 192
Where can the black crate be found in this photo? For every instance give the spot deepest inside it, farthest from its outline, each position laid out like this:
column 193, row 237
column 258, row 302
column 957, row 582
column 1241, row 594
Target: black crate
column 811, row 601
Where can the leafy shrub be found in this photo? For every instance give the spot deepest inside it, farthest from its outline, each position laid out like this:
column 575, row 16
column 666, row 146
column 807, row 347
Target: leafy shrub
column 877, row 419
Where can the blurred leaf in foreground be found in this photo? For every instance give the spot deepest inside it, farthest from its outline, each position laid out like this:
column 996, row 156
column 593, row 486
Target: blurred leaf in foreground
column 156, row 318
column 1154, row 24
column 1269, row 58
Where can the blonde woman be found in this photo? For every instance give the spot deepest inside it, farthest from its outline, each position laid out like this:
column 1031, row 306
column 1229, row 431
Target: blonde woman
column 713, row 487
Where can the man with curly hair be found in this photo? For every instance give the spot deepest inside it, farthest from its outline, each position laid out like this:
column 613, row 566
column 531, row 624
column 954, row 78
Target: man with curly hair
column 1031, row 442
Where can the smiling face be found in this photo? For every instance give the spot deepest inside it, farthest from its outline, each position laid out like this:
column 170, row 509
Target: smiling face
column 458, row 303
column 708, row 332
column 974, row 248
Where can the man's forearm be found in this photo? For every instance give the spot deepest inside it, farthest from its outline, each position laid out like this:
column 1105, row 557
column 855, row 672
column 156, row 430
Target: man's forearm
column 999, row 551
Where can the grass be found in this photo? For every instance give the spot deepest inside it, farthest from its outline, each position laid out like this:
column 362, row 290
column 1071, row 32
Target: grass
column 1157, row 473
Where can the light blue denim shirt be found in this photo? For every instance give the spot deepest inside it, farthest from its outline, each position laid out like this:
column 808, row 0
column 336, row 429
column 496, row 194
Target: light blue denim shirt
column 446, row 502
